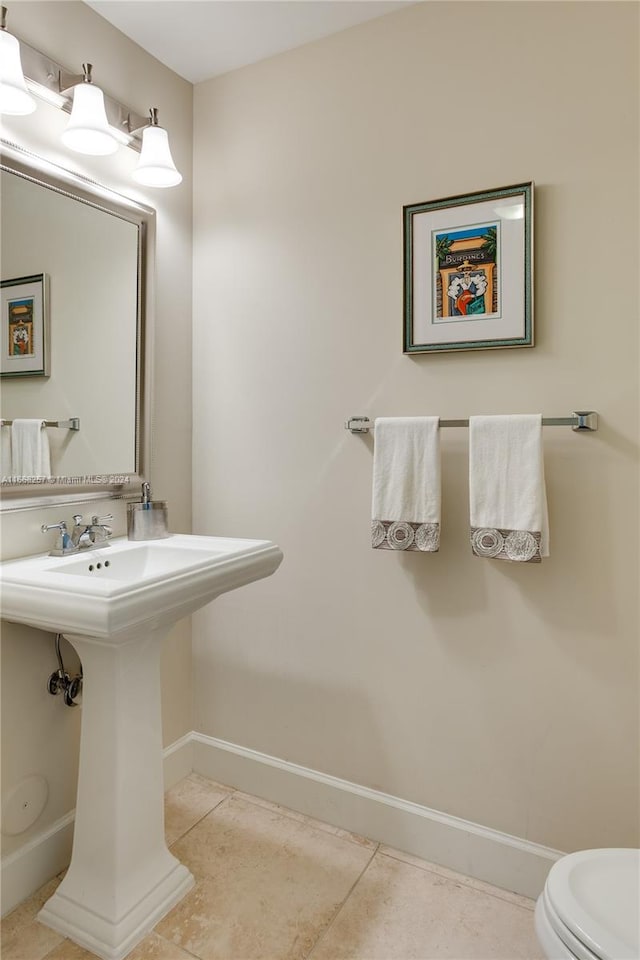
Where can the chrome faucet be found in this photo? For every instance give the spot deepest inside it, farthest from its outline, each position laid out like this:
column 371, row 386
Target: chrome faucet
column 64, row 545
column 91, row 536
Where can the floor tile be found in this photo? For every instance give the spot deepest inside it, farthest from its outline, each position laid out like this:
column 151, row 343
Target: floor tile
column 32, row 942
column 268, row 884
column 399, row 911
column 459, row 878
column 188, row 802
column 320, row 824
column 23, row 938
column 154, row 947
column 27, row 911
column 70, row 951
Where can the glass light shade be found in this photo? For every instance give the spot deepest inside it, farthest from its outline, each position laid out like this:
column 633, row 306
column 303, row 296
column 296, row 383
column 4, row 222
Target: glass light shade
column 15, row 99
column 156, row 167
column 88, row 128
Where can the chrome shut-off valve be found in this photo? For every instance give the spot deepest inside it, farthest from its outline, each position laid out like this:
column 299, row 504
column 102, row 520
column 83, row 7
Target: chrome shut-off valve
column 61, row 682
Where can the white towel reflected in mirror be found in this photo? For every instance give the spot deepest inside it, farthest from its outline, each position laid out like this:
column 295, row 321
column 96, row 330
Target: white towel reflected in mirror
column 30, row 455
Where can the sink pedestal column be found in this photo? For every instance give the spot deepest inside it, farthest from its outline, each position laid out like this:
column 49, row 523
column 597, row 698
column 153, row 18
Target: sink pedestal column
column 122, row 878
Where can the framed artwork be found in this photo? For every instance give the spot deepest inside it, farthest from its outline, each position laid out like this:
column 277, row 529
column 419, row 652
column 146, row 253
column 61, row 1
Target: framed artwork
column 25, row 327
column 468, row 271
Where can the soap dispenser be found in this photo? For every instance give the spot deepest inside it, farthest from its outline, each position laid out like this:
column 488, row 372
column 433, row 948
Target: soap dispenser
column 147, row 519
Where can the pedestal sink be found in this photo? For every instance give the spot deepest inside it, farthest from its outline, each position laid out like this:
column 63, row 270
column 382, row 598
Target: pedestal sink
column 115, row 606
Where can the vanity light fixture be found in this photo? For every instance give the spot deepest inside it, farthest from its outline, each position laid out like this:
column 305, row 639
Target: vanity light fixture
column 98, row 122
column 88, row 128
column 156, row 167
column 15, row 99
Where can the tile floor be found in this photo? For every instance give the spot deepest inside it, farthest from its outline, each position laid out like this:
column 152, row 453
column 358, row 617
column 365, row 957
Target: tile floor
column 272, row 884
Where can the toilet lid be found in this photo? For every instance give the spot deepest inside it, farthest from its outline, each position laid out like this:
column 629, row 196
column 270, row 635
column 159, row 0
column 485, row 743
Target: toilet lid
column 575, row 948
column 596, row 894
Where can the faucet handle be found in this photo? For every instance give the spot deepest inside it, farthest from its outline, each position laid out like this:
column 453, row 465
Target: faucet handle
column 62, row 526
column 99, row 532
column 64, row 544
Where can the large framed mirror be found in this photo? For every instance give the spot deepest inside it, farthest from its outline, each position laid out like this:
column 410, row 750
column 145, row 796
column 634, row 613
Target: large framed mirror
column 76, row 282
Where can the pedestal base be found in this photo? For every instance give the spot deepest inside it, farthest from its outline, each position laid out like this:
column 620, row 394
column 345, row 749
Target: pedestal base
column 122, row 879
column 114, row 939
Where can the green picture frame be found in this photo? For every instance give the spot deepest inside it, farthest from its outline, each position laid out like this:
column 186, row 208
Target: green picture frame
column 468, row 271
column 24, row 339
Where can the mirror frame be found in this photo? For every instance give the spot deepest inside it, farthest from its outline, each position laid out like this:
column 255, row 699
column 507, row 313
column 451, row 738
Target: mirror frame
column 22, row 163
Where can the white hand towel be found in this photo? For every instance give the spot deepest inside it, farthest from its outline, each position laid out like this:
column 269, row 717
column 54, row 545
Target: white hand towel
column 406, row 484
column 5, row 452
column 508, row 499
column 30, row 449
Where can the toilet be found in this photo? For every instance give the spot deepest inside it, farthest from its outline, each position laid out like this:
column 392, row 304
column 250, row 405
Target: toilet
column 590, row 907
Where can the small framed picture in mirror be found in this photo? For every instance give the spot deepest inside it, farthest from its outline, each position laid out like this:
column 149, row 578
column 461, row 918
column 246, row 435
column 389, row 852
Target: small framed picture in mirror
column 25, row 327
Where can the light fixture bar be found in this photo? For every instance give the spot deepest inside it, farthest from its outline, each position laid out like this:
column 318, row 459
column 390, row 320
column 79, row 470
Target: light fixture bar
column 54, row 83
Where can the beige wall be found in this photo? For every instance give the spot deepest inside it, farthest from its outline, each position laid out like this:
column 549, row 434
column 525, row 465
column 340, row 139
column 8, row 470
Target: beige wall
column 40, row 734
column 500, row 693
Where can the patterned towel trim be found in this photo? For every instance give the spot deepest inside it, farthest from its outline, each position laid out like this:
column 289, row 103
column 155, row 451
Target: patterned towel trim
column 520, row 545
column 403, row 535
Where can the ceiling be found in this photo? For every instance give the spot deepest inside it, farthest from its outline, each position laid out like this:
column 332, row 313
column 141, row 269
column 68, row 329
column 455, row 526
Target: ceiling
column 200, row 39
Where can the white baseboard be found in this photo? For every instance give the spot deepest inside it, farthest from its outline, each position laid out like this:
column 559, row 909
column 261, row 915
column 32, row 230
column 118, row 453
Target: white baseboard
column 476, row 851
column 46, row 854
column 178, row 760
column 40, row 859
column 471, row 849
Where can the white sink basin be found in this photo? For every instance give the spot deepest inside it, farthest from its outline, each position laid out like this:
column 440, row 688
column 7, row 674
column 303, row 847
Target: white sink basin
column 105, row 593
column 116, row 605
column 141, row 563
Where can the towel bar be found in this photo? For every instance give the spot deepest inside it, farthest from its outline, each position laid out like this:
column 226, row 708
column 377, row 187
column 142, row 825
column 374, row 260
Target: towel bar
column 580, row 420
column 72, row 424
